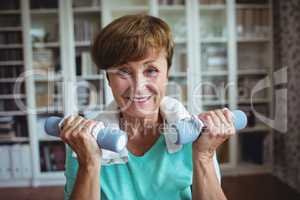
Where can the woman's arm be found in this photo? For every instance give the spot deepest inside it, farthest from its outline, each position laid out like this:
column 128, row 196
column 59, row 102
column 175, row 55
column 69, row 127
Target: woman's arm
column 87, row 185
column 220, row 127
column 76, row 132
column 205, row 181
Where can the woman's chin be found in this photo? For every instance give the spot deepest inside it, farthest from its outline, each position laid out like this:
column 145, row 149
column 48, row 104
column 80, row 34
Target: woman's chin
column 141, row 109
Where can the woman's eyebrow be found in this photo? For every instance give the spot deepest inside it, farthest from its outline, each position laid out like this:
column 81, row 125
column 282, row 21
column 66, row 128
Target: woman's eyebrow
column 150, row 61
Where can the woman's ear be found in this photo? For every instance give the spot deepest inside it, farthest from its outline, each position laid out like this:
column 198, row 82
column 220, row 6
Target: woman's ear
column 168, row 71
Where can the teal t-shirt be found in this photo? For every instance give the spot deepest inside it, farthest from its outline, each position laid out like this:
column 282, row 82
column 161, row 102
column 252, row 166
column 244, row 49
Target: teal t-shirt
column 157, row 175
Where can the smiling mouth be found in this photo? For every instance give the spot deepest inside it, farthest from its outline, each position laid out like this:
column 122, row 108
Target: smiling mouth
column 139, row 99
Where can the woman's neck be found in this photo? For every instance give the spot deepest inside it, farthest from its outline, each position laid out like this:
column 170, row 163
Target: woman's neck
column 141, row 127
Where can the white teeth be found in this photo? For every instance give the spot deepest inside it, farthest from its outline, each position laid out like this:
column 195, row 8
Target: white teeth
column 140, row 99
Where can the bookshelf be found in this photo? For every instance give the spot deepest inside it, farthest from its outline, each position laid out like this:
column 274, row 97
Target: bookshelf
column 14, row 134
column 175, row 15
column 215, row 65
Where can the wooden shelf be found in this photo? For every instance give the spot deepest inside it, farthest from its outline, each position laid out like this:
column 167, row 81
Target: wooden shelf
column 50, row 77
column 46, row 45
column 10, row 29
column 215, row 73
column 53, row 175
column 213, row 7
column 243, row 168
column 13, row 113
column 87, row 10
column 213, row 40
column 129, row 8
column 252, row 6
column 49, row 109
column 13, row 62
column 11, row 46
column 254, row 39
column 171, row 8
column 255, row 101
column 8, row 80
column 14, row 140
column 44, row 11
column 10, row 12
column 83, row 43
column 12, row 96
column 49, row 139
column 90, row 77
column 261, row 71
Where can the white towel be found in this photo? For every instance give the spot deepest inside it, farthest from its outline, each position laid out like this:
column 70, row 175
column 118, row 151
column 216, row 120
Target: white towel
column 171, row 110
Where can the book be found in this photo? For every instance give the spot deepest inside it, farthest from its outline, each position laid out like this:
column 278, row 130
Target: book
column 26, row 169
column 52, row 156
column 7, row 127
column 43, row 60
column 15, row 156
column 40, row 126
column 45, row 92
column 5, row 164
column 37, row 4
column 20, row 126
column 57, row 156
column 87, row 65
column 10, row 5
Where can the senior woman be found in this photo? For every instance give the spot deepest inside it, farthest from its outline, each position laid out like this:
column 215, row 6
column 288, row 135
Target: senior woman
column 136, row 52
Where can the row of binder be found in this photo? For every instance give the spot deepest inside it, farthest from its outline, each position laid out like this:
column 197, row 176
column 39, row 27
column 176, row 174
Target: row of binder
column 15, row 161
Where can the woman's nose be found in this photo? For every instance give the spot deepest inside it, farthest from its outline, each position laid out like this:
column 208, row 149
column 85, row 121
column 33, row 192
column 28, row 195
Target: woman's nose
column 140, row 83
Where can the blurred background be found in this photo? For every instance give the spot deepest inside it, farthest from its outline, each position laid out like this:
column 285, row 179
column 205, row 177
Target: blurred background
column 235, row 53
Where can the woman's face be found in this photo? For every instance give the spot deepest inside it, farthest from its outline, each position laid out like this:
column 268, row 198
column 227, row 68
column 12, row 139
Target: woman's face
column 138, row 86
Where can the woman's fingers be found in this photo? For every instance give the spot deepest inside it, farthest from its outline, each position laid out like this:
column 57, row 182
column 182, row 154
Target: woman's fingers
column 77, row 131
column 229, row 116
column 219, row 123
column 219, row 127
column 222, row 117
column 85, row 130
column 70, row 124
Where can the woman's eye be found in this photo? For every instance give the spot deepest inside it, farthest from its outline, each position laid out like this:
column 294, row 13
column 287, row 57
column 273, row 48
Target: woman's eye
column 123, row 72
column 151, row 72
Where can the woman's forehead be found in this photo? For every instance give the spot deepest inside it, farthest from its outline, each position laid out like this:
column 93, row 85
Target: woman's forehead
column 150, row 56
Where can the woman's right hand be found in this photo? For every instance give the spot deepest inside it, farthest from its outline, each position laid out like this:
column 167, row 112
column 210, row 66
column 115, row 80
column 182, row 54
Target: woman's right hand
column 76, row 132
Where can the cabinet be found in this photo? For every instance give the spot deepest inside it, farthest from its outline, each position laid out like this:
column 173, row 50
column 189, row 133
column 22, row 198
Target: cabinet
column 222, row 50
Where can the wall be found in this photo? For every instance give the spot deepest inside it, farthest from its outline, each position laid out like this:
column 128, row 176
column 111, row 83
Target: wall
column 287, row 53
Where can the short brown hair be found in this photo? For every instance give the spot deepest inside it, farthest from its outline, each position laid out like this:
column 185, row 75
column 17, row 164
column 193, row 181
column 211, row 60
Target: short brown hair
column 128, row 38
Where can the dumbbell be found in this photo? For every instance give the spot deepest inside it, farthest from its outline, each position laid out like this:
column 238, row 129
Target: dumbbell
column 113, row 139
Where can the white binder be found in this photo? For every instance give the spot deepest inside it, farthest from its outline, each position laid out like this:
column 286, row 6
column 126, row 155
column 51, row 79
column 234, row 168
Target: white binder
column 26, row 161
column 5, row 164
column 16, row 160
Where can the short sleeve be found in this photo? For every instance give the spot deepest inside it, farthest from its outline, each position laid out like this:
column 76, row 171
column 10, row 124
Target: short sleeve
column 71, row 168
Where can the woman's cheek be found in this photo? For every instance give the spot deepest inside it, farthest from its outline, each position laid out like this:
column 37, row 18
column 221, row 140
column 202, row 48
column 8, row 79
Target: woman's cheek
column 119, row 87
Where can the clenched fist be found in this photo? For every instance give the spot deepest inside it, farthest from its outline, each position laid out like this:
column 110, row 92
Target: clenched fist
column 219, row 127
column 76, row 131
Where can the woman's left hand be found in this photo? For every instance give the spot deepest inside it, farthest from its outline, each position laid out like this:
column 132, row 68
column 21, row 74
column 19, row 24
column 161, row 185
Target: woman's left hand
column 219, row 127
